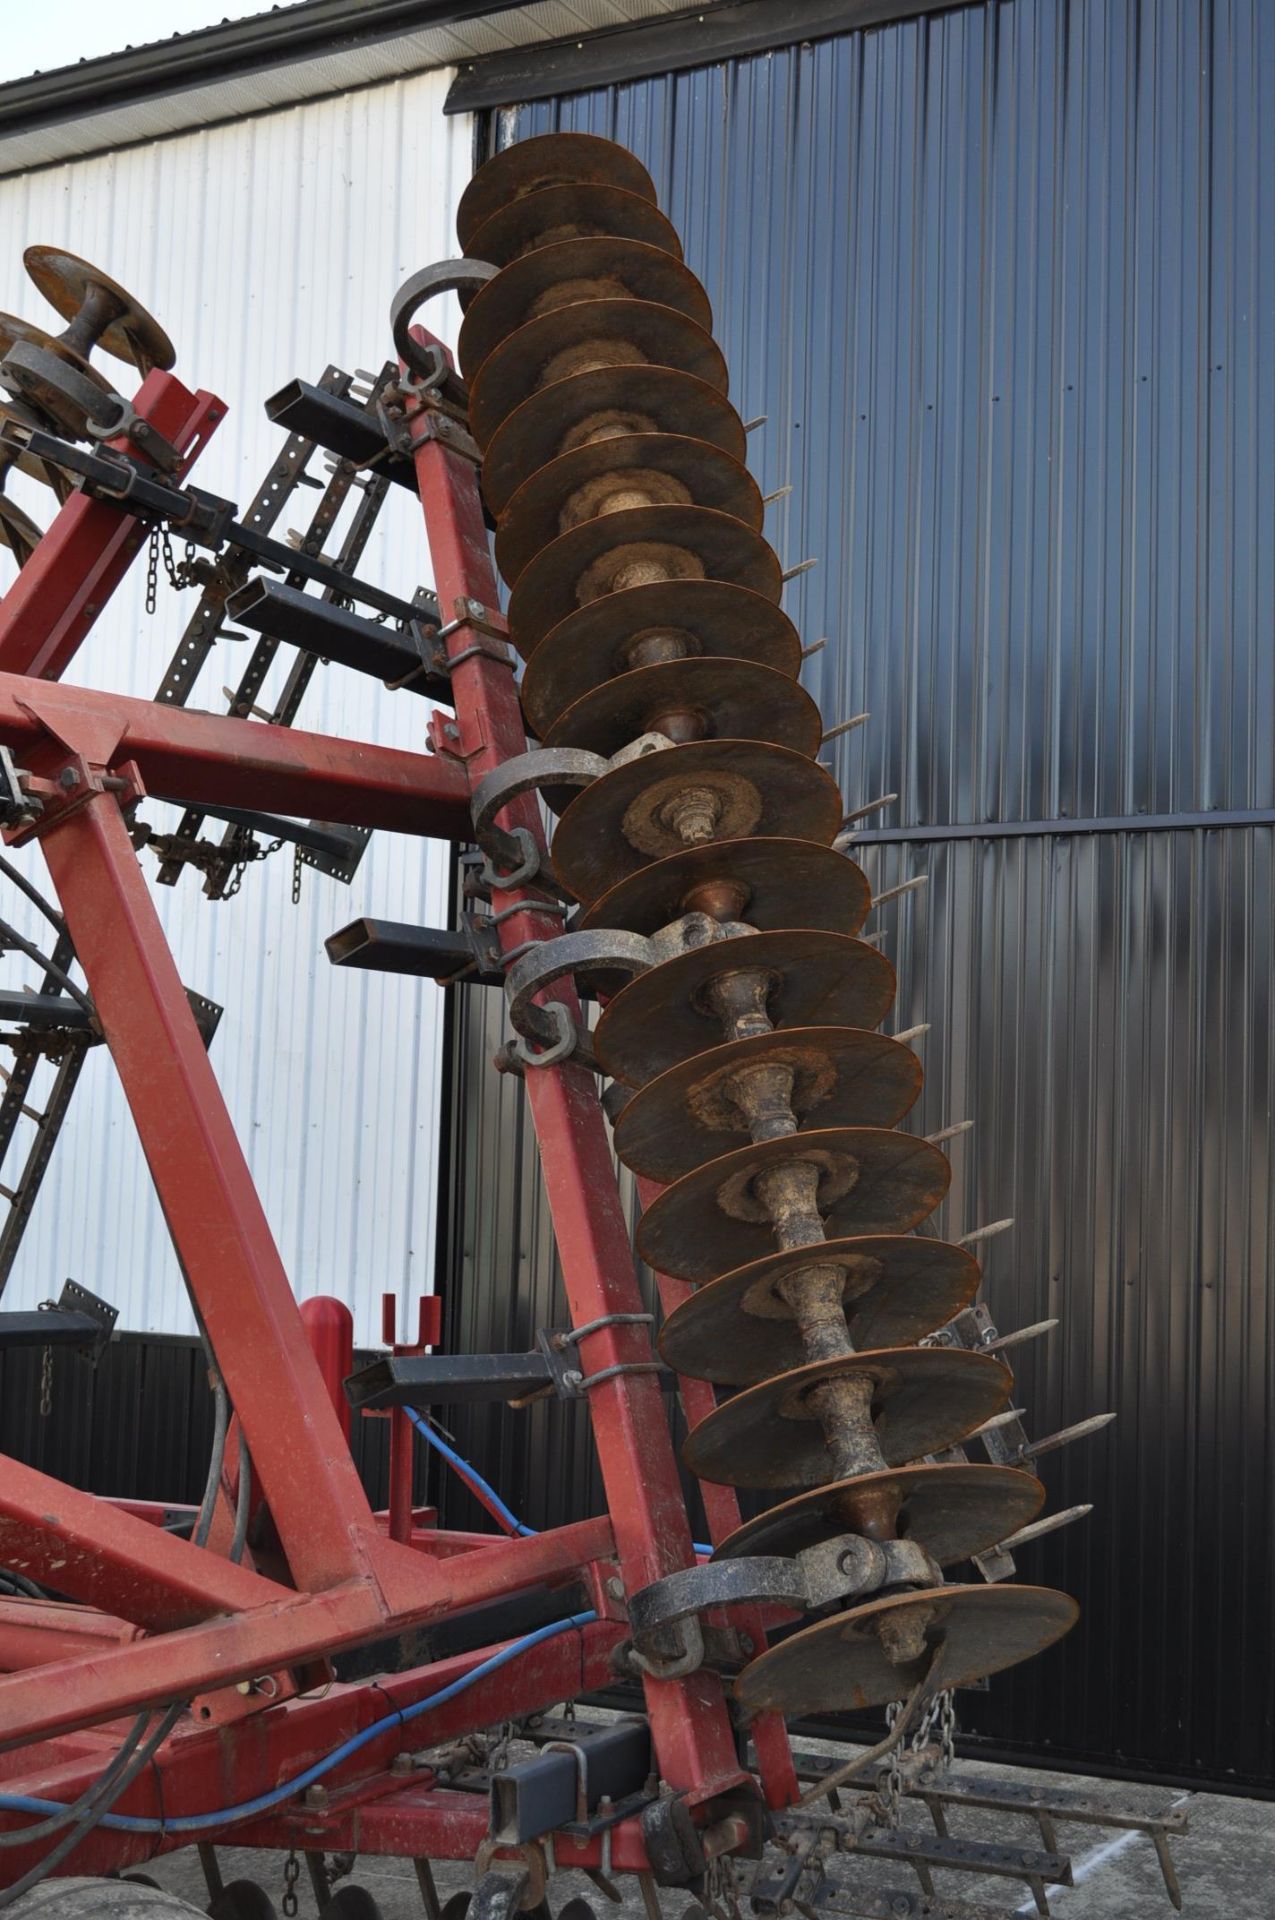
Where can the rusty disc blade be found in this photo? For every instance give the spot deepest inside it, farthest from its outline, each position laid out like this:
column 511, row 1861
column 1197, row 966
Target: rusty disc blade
column 13, row 329
column 640, row 469
column 573, row 210
column 570, row 272
column 872, row 1180
column 632, row 399
column 27, row 462
column 841, row 1077
column 898, row 1288
column 603, row 557
column 712, row 619
column 592, row 336
column 923, row 1399
column 773, row 883
column 954, row 1510
column 67, row 282
column 623, row 820
column 664, row 1016
column 727, row 699
column 840, row 1665
column 18, row 530
column 550, row 160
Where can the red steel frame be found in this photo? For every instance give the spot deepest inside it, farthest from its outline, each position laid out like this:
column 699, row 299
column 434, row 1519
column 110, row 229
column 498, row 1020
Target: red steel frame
column 159, row 1619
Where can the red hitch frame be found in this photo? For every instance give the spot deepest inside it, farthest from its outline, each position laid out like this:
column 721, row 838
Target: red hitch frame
column 155, row 1618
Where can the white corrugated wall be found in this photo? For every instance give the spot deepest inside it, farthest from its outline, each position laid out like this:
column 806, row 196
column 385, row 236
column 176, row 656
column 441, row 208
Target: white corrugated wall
column 268, row 248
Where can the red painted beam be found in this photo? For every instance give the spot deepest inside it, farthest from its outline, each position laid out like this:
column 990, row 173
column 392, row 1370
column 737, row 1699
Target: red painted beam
column 201, row 1768
column 92, row 1552
column 174, row 1666
column 219, row 1228
column 210, row 760
column 50, row 609
column 689, row 1720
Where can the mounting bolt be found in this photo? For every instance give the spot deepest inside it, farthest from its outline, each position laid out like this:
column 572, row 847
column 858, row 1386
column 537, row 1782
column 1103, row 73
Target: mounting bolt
column 68, row 778
column 746, row 1643
column 402, row 1763
column 476, row 608
column 316, row 1796
column 615, row 1587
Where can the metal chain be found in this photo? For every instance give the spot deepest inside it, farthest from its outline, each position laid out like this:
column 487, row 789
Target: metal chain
column 498, row 1756
column 46, row 1367
column 939, row 1717
column 291, row 1874
column 179, row 574
column 890, row 1791
column 152, row 572
column 241, row 867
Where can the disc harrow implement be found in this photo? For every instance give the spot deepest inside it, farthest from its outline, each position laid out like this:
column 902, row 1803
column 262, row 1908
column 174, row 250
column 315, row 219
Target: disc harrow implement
column 696, row 829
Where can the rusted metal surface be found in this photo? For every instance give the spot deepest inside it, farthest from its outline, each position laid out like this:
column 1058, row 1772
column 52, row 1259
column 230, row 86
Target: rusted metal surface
column 895, row 1288
column 762, row 1095
column 841, row 1663
column 953, row 1510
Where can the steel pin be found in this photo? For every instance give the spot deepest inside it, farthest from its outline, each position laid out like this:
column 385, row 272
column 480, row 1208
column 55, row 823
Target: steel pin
column 985, row 1233
column 948, row 1133
column 904, row 886
column 843, row 726
column 1065, row 1435
column 1039, row 1528
column 1018, row 1338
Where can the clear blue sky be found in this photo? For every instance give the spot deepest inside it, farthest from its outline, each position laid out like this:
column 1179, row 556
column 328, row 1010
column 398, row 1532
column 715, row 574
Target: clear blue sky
column 57, row 33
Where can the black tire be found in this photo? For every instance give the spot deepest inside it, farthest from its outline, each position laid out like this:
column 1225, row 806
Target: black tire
column 351, row 1902
column 242, row 1900
column 82, row 1899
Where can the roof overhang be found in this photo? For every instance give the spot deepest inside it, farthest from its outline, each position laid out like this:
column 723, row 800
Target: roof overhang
column 270, row 60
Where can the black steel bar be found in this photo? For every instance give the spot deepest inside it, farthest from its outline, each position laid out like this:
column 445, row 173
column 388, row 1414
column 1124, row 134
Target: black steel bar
column 394, row 946
column 562, row 1785
column 333, row 841
column 52, row 1328
column 446, row 1379
column 322, row 628
column 341, row 427
column 43, row 1010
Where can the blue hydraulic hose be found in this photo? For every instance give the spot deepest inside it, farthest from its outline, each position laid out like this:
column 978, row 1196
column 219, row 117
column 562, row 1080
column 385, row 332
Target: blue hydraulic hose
column 474, row 1480
column 470, row 1475
column 249, row 1809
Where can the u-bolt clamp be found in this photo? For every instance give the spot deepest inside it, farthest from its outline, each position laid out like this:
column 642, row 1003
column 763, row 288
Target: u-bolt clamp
column 667, row 1634
column 551, row 1027
column 83, row 407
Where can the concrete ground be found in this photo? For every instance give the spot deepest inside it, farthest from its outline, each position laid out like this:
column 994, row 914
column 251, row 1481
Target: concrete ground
column 1226, row 1863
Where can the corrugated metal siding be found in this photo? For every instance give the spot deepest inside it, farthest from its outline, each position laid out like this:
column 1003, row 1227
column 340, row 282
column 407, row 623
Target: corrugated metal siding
column 140, row 1425
column 1000, row 281
column 268, row 249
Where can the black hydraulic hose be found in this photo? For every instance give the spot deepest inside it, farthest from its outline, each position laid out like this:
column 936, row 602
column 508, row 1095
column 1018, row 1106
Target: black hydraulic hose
column 33, row 894
column 10, row 937
column 221, row 1426
column 105, row 1794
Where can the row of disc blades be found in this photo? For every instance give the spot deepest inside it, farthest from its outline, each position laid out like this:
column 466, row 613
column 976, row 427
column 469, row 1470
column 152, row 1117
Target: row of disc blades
column 644, row 601
column 99, row 313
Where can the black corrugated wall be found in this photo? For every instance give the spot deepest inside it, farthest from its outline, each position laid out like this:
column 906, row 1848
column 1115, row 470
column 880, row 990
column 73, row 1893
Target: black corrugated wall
column 1003, row 282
